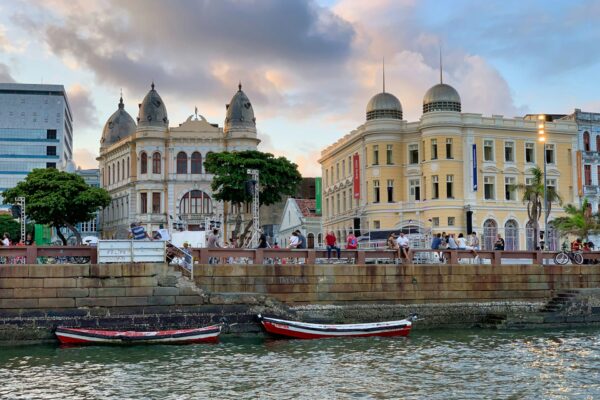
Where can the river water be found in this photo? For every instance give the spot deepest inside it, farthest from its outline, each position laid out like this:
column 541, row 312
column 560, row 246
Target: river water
column 470, row 364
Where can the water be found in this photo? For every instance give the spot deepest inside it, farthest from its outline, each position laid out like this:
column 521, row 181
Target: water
column 472, row 364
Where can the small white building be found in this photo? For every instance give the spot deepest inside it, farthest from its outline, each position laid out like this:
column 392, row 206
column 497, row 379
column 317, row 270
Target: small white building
column 300, row 214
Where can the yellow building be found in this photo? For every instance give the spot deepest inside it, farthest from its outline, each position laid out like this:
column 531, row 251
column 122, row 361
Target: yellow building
column 436, row 174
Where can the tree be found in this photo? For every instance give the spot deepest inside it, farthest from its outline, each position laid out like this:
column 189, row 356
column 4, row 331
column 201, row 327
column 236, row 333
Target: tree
column 58, row 199
column 533, row 195
column 579, row 221
column 11, row 226
column 278, row 176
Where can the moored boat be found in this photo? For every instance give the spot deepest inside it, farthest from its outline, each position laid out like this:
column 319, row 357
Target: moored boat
column 100, row 336
column 304, row 330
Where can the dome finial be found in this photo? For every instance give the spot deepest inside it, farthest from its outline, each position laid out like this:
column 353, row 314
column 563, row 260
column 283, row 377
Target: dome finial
column 240, row 86
column 121, row 105
column 383, row 70
column 441, row 69
column 152, row 86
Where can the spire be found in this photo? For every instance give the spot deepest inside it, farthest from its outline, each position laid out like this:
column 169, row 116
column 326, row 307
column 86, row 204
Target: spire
column 121, row 105
column 383, row 71
column 441, row 79
column 240, row 86
column 152, row 86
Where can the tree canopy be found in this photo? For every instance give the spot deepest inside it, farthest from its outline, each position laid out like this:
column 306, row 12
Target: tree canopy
column 58, row 199
column 278, row 176
column 579, row 221
column 11, row 226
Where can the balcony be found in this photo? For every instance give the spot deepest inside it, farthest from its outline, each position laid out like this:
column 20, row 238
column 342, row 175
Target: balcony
column 591, row 156
column 591, row 190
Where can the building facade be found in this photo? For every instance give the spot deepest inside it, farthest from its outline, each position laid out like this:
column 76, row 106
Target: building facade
column 155, row 173
column 36, row 130
column 448, row 172
column 300, row 214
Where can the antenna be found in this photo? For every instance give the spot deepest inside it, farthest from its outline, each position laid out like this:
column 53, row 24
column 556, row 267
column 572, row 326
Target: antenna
column 441, row 65
column 383, row 70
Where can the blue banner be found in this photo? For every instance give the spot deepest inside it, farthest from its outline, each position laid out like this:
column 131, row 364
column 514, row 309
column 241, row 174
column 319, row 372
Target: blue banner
column 474, row 167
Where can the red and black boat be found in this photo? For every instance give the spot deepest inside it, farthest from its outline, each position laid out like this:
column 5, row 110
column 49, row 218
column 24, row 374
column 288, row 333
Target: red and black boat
column 175, row 336
column 304, row 330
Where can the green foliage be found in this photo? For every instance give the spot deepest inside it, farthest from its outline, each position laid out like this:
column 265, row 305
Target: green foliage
column 13, row 227
column 57, row 198
column 278, row 176
column 579, row 221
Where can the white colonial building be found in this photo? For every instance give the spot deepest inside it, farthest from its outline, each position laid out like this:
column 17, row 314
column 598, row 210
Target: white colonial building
column 155, row 173
column 301, row 215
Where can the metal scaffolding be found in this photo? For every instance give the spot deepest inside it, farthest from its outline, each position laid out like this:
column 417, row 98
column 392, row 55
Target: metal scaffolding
column 255, row 206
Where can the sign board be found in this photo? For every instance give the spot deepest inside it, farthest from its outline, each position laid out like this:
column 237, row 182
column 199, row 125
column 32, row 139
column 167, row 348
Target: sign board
column 126, row 251
column 474, row 167
column 195, row 239
column 356, row 175
column 318, row 195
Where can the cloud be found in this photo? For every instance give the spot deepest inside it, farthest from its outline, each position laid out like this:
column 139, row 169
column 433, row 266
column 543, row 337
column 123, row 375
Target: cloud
column 5, row 76
column 82, row 105
column 85, row 159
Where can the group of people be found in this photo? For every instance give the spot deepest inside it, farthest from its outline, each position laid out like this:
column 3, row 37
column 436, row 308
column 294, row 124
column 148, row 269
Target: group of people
column 400, row 243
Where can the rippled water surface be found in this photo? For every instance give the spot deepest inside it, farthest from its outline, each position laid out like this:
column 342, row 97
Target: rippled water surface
column 432, row 365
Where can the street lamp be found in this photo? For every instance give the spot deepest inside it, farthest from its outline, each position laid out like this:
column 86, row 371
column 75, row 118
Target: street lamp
column 542, row 138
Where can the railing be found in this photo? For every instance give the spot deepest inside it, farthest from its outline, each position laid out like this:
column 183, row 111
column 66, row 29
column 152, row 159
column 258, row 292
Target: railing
column 48, row 255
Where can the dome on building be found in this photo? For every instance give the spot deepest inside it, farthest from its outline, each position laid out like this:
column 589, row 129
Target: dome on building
column 239, row 111
column 384, row 105
column 152, row 110
column 118, row 126
column 441, row 97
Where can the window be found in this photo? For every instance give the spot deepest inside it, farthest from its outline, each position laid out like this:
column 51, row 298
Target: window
column 530, row 153
column 338, row 203
column 337, row 172
column 109, row 181
column 156, row 203
column 587, row 172
column 509, row 152
column 196, row 163
column 118, row 171
column 51, row 134
column 510, row 190
column 156, row 163
column 551, row 183
column 388, row 154
column 144, row 163
column 449, row 186
column 350, row 165
column 550, row 154
column 50, row 165
column 50, row 150
column 375, row 155
column 434, row 149
column 449, row 149
column 344, row 201
column 586, row 141
column 435, row 187
column 343, row 168
column 451, row 221
column 414, row 189
column 376, row 225
column 390, row 190
column 423, row 154
column 113, row 173
column 376, row 191
column 123, row 169
column 488, row 150
column 435, row 221
column 144, row 203
column 597, row 142
column 195, row 202
column 182, row 163
column 413, row 153
column 489, row 191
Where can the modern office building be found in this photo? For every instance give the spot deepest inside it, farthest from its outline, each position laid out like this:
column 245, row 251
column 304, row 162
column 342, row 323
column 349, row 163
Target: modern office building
column 155, row 172
column 92, row 178
column 449, row 171
column 36, row 130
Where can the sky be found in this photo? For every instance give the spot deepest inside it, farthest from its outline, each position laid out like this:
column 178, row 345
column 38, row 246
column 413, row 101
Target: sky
column 308, row 67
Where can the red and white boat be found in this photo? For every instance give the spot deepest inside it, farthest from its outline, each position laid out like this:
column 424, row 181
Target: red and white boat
column 303, row 330
column 176, row 336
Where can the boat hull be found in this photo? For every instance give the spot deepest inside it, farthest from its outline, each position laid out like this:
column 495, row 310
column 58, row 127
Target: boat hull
column 301, row 330
column 97, row 336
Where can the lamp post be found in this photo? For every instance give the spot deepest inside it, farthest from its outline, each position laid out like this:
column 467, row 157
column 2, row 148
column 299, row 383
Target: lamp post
column 542, row 139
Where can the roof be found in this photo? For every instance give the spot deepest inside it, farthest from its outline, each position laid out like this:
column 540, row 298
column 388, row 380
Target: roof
column 307, row 207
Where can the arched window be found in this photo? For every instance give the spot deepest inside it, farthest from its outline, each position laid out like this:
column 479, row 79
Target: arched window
column 490, row 231
column 156, row 163
column 118, row 170
column 196, row 163
column 181, row 163
column 195, row 202
column 113, row 175
column 311, row 240
column 143, row 163
column 123, row 169
column 597, row 142
column 109, row 175
column 511, row 235
column 586, row 141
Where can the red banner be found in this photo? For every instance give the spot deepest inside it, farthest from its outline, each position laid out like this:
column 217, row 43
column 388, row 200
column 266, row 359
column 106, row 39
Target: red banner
column 356, row 171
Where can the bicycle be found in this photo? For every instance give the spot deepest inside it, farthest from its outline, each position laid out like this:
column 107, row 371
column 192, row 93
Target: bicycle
column 563, row 257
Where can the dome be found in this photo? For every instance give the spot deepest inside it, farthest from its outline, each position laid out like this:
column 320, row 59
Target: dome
column 239, row 111
column 152, row 110
column 118, row 126
column 384, row 105
column 441, row 97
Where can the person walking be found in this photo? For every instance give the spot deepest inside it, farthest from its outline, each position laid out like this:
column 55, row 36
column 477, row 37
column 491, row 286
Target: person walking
column 331, row 242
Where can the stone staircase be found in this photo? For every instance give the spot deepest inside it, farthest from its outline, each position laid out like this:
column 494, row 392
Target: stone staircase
column 560, row 301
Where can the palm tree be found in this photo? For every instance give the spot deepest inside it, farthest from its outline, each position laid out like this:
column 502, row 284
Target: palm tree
column 533, row 195
column 579, row 221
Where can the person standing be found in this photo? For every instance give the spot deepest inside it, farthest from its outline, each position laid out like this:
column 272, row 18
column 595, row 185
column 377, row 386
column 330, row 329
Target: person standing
column 437, row 240
column 499, row 243
column 301, row 240
column 331, row 242
column 262, row 241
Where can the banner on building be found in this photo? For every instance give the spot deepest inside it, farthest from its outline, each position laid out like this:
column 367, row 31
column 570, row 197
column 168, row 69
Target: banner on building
column 356, row 175
column 579, row 178
column 474, row 167
column 318, row 195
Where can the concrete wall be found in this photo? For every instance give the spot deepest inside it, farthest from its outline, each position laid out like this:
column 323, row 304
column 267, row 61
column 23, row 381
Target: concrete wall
column 406, row 284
